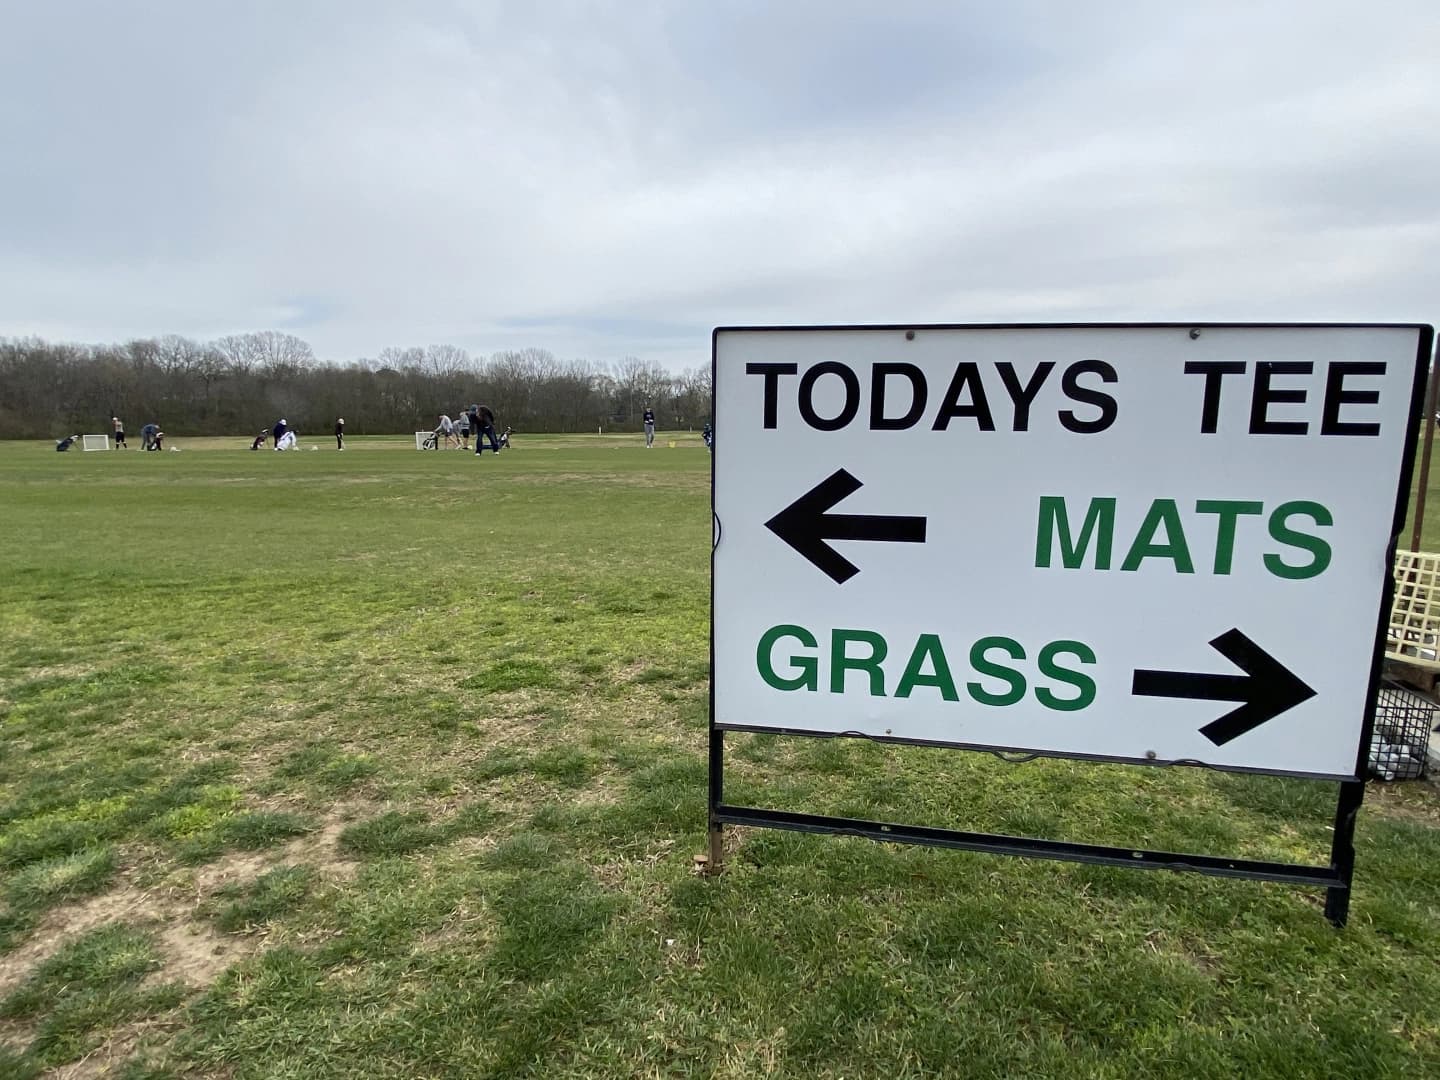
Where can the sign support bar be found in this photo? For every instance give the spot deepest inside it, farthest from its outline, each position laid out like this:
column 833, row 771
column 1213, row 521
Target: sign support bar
column 1334, row 879
column 1063, row 850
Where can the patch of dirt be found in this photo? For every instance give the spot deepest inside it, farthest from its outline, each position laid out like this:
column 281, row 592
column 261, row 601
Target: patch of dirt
column 102, row 1061
column 474, row 845
column 630, row 672
column 63, row 923
column 107, row 1058
column 1417, row 802
column 14, row 1036
column 321, row 850
column 231, row 870
column 601, row 794
column 59, row 671
column 193, row 951
column 196, row 954
column 516, row 731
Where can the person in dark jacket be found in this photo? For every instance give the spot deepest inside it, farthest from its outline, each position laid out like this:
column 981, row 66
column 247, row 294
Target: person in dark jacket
column 340, row 433
column 278, row 432
column 147, row 436
column 485, row 419
column 649, row 420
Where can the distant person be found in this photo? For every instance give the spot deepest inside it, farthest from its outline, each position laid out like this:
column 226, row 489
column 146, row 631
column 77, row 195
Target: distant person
column 119, row 427
column 462, row 426
column 708, row 436
column 278, row 432
column 446, row 430
column 483, row 421
column 340, row 433
column 259, row 440
column 287, row 441
column 147, row 436
column 62, row 445
column 649, row 419
column 473, row 416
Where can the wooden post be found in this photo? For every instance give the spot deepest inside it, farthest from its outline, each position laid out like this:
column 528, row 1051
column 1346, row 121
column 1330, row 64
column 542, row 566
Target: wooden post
column 716, row 852
column 1430, row 403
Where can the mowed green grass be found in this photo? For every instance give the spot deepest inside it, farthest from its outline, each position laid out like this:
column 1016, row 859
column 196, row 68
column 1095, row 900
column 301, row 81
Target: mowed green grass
column 388, row 764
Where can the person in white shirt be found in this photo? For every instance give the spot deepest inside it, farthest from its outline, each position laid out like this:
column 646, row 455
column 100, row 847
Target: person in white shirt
column 446, row 428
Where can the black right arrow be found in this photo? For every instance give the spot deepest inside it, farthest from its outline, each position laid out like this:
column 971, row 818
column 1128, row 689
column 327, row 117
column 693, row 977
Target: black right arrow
column 1267, row 689
column 806, row 524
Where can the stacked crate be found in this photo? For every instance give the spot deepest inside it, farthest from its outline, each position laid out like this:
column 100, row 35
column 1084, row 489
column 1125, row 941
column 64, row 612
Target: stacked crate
column 1400, row 745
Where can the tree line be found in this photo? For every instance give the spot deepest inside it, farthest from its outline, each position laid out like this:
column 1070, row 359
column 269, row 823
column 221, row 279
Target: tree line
column 244, row 382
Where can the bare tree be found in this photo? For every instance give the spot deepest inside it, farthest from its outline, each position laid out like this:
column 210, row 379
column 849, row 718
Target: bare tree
column 446, row 361
column 691, row 397
column 639, row 384
column 238, row 383
column 271, row 351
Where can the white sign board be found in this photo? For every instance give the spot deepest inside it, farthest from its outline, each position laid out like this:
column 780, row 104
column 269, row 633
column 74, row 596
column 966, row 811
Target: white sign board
column 1140, row 543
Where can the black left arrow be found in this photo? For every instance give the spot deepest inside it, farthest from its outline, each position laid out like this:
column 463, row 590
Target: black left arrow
column 806, row 524
column 1267, row 689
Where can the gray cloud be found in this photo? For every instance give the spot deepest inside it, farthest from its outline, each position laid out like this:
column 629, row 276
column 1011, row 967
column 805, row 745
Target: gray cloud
column 613, row 178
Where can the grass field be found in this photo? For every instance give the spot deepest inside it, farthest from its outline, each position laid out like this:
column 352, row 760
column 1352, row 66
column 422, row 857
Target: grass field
column 388, row 764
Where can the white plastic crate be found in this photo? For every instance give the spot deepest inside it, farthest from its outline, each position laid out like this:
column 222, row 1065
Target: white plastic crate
column 1414, row 635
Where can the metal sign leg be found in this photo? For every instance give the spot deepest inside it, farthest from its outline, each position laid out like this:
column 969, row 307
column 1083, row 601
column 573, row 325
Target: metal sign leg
column 715, row 849
column 1342, row 850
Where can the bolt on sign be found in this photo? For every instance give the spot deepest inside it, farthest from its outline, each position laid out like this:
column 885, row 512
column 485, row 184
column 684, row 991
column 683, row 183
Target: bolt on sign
column 1157, row 544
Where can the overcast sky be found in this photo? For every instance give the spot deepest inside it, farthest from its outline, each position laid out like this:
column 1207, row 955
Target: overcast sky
column 611, row 179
